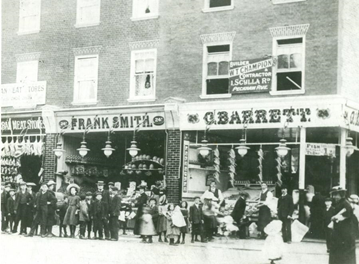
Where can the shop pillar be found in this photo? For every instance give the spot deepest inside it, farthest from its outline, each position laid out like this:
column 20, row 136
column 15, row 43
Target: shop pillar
column 49, row 157
column 173, row 163
column 303, row 139
column 343, row 157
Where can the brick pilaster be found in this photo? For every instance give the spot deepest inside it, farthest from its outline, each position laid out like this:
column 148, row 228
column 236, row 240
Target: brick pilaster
column 50, row 158
column 173, row 161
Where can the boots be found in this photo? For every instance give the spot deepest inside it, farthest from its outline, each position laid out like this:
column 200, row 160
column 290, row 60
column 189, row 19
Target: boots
column 150, row 240
column 172, row 242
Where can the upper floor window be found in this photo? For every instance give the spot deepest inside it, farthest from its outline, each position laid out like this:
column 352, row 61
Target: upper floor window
column 29, row 16
column 217, row 5
column 88, row 13
column 27, row 71
column 143, row 74
column 286, row 1
column 216, row 69
column 144, row 9
column 86, row 79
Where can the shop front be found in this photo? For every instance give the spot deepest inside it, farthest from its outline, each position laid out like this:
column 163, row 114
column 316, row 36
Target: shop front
column 22, row 147
column 126, row 146
column 294, row 142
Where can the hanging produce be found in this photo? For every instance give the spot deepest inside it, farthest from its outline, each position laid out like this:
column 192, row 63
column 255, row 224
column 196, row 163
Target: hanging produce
column 260, row 166
column 232, row 165
column 216, row 165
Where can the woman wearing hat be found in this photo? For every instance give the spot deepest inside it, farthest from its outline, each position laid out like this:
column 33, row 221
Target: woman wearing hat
column 354, row 202
column 210, row 210
column 71, row 216
column 343, row 239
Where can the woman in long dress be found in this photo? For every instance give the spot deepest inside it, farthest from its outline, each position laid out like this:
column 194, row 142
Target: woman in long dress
column 72, row 217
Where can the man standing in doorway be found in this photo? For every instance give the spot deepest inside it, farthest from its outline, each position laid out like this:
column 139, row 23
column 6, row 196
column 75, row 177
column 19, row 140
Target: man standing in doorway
column 105, row 200
column 114, row 211
column 265, row 216
column 285, row 211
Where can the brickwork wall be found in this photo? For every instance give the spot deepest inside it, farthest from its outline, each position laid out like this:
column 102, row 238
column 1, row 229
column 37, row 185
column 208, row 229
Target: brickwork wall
column 173, row 165
column 179, row 26
column 50, row 158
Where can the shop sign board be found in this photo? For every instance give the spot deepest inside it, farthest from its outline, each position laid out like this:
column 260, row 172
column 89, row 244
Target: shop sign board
column 318, row 149
column 351, row 118
column 261, row 117
column 250, row 76
column 23, row 95
column 22, row 125
column 117, row 122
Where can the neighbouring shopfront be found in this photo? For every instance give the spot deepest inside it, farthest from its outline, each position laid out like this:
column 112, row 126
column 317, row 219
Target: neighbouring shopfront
column 22, row 147
column 318, row 133
column 96, row 144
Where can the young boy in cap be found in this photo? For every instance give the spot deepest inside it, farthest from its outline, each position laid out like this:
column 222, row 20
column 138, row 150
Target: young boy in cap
column 10, row 205
column 196, row 219
column 22, row 199
column 61, row 208
column 89, row 203
column 328, row 214
column 45, row 199
column 114, row 211
column 99, row 216
column 30, row 210
column 51, row 209
column 105, row 199
column 84, row 215
column 4, row 216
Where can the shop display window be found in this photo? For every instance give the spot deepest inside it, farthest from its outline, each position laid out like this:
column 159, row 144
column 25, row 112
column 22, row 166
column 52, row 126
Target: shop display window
column 289, row 70
column 86, row 78
column 27, row 71
column 218, row 5
column 29, row 16
column 143, row 74
column 88, row 12
column 144, row 9
column 217, row 59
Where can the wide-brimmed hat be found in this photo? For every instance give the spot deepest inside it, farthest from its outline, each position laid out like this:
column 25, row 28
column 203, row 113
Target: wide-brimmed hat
column 354, row 198
column 209, row 196
column 337, row 189
column 30, row 184
column 51, row 182
column 22, row 183
column 72, row 185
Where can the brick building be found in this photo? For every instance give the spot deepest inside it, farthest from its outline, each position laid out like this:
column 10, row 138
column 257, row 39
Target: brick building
column 94, row 71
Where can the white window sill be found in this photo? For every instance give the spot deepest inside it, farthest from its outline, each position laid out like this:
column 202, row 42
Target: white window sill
column 145, row 17
column 35, row 31
column 85, row 103
column 287, row 92
column 87, row 25
column 276, row 2
column 215, row 96
column 217, row 9
column 140, row 100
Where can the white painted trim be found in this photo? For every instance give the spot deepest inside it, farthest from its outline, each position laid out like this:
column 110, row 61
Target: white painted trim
column 32, row 31
column 35, row 31
column 156, row 16
column 87, row 25
column 133, row 98
column 84, row 103
column 215, row 96
column 276, row 2
column 289, row 92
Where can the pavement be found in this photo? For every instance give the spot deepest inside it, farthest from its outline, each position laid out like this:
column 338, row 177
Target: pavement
column 36, row 250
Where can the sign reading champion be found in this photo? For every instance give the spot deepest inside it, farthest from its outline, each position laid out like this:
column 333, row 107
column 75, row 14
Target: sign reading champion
column 250, row 76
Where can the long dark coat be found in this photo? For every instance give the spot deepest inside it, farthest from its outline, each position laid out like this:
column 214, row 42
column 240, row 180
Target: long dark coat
column 343, row 238
column 238, row 210
column 142, row 200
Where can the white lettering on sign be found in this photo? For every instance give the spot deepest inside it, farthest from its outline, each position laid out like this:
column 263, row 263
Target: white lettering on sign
column 315, row 149
column 21, row 124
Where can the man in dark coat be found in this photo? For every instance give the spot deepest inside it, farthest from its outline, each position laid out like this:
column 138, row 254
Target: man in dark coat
column 317, row 215
column 99, row 213
column 44, row 200
column 114, row 208
column 285, row 211
column 238, row 213
column 30, row 209
column 105, row 200
column 343, row 238
column 141, row 201
column 4, row 216
column 196, row 219
column 153, row 211
column 22, row 200
column 264, row 217
column 51, row 220
column 328, row 214
column 10, row 209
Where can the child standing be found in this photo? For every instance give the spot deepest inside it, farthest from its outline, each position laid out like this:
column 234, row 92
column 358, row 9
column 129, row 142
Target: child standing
column 147, row 228
column 99, row 214
column 84, row 216
column 10, row 206
column 125, row 212
column 328, row 214
column 196, row 219
column 273, row 245
column 71, row 216
column 89, row 203
column 184, row 229
column 62, row 205
column 175, row 221
column 162, row 220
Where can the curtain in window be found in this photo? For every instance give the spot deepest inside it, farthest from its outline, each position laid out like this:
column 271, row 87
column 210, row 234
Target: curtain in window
column 218, row 64
column 289, row 57
column 29, row 15
column 86, row 79
column 144, row 74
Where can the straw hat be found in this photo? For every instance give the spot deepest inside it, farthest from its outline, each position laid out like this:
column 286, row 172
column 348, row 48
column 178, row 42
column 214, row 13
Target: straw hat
column 209, row 196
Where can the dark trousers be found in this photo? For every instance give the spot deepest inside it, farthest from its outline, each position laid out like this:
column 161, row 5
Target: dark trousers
column 11, row 220
column 123, row 225
column 21, row 216
column 43, row 212
column 287, row 229
column 99, row 227
column 114, row 226
column 4, row 221
column 83, row 226
column 328, row 237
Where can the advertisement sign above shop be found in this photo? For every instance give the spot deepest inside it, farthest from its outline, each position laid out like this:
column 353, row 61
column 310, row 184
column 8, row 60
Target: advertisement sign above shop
column 317, row 149
column 103, row 122
column 250, row 76
column 351, row 118
column 22, row 125
column 23, row 95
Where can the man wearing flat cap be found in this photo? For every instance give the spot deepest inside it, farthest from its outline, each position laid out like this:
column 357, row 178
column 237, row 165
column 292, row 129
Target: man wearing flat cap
column 51, row 209
column 114, row 211
column 105, row 200
column 22, row 199
column 4, row 197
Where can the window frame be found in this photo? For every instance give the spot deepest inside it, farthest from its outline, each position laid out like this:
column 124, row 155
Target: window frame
column 36, row 62
column 76, row 100
column 207, row 9
column 277, row 2
column 80, row 24
column 21, row 29
column 132, row 97
column 134, row 16
column 204, row 94
column 274, row 69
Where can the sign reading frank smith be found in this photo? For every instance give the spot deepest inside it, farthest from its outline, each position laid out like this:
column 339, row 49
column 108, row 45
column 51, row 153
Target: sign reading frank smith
column 249, row 76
